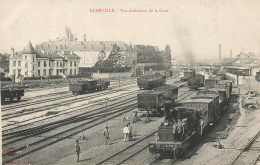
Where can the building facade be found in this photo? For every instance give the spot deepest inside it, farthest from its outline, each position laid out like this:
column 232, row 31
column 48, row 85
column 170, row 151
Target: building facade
column 32, row 63
column 88, row 51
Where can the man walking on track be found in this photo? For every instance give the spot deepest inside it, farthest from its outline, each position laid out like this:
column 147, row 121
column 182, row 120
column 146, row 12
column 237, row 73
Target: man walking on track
column 77, row 150
column 106, row 135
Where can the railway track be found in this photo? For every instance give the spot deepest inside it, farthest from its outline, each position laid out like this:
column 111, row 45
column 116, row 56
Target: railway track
column 55, row 105
column 64, row 112
column 124, row 156
column 250, row 153
column 67, row 94
column 86, row 124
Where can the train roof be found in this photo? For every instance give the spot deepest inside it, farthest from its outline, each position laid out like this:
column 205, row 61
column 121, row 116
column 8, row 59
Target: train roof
column 197, row 101
column 206, row 95
column 151, row 93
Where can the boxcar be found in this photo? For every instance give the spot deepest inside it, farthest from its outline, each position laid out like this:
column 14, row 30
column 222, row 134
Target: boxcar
column 210, row 94
column 222, row 92
column 205, row 107
column 150, row 101
column 11, row 94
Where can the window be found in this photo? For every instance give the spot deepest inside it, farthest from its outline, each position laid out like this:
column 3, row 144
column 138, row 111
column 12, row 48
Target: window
column 14, row 63
column 49, row 63
column 75, row 71
column 45, row 64
column 60, row 64
column 75, row 63
column 39, row 63
column 71, row 63
column 70, row 71
column 25, row 57
column 26, row 74
column 26, row 65
column 33, row 59
column 14, row 71
column 33, row 68
column 19, row 63
column 44, row 72
column 39, row 72
column 57, row 64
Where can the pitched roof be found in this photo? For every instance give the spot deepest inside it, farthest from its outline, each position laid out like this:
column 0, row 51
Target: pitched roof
column 70, row 55
column 81, row 46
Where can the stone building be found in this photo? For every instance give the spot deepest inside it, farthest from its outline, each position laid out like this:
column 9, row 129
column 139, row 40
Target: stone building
column 88, row 51
column 30, row 63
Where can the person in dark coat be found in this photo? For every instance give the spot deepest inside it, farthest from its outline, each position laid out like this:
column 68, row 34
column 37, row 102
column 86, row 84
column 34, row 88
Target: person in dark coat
column 77, row 150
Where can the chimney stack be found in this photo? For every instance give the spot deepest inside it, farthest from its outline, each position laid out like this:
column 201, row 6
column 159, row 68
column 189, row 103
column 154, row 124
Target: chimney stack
column 219, row 51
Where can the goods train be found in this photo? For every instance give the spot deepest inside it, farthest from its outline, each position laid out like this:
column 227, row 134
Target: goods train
column 81, row 87
column 190, row 120
column 257, row 76
column 154, row 101
column 150, row 81
column 11, row 94
column 195, row 82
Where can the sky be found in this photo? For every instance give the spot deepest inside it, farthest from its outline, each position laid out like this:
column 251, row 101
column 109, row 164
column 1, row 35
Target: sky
column 192, row 28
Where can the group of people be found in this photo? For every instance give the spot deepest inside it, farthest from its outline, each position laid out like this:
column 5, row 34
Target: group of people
column 127, row 130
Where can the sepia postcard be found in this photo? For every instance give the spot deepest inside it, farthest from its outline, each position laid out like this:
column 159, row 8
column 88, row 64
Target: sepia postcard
column 140, row 82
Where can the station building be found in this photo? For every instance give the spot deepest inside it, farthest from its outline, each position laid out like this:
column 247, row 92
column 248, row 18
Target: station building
column 89, row 51
column 32, row 63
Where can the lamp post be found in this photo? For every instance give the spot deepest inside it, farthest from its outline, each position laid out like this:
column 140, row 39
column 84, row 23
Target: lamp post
column 106, row 100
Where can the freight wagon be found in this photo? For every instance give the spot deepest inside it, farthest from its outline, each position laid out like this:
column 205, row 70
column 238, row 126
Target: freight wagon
column 81, row 87
column 10, row 94
column 150, row 101
column 150, row 81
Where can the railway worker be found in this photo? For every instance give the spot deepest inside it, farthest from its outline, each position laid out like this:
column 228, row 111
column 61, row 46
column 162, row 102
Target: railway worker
column 130, row 132
column 125, row 132
column 106, row 135
column 77, row 150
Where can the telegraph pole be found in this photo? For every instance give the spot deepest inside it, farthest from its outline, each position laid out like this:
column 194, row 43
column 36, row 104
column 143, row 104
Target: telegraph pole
column 106, row 100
